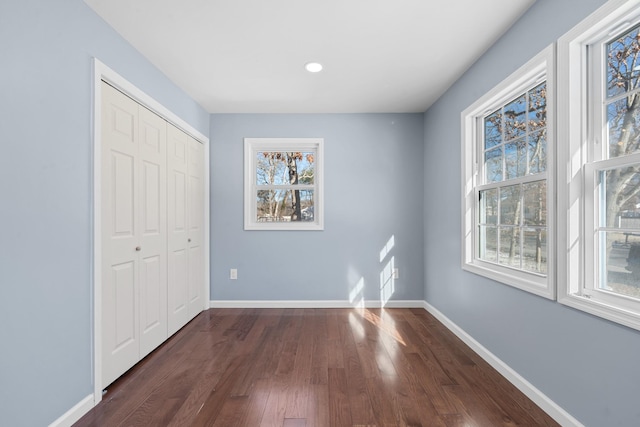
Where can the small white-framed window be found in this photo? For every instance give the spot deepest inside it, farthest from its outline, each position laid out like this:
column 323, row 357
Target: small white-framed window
column 599, row 109
column 283, row 184
column 507, row 165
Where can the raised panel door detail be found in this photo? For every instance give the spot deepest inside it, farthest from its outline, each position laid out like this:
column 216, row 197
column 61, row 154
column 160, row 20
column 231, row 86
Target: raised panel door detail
column 151, row 137
column 180, row 151
column 124, row 296
column 120, row 341
column 150, row 291
column 194, row 155
column 179, row 278
column 122, row 204
column 180, row 194
column 124, row 123
column 151, row 209
column 195, row 204
column 195, row 280
column 178, row 314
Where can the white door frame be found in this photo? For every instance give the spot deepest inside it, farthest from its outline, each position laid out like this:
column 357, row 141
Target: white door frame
column 102, row 72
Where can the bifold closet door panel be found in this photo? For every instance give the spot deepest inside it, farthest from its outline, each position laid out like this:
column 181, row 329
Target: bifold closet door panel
column 195, row 240
column 178, row 251
column 120, row 224
column 152, row 202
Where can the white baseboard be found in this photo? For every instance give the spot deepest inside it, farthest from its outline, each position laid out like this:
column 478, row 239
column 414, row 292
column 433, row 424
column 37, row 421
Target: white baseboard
column 75, row 413
column 539, row 398
column 314, row 304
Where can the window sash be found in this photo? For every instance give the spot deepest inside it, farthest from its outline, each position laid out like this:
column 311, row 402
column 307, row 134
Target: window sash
column 481, row 147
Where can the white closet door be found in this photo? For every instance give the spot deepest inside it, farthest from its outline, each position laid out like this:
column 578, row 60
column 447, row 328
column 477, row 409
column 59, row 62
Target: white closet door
column 152, row 231
column 178, row 254
column 120, row 224
column 195, row 238
column 152, row 202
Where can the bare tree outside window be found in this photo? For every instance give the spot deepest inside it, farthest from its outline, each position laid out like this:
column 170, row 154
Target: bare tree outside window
column 619, row 233
column 279, row 177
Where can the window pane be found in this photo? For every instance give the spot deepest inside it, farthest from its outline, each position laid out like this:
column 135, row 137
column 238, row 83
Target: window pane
column 284, row 205
column 493, row 165
column 620, row 263
column 514, row 114
column 488, row 241
column 535, row 250
column 620, row 196
column 493, row 130
column 538, row 151
column 285, row 168
column 515, row 159
column 510, row 201
column 509, row 246
column 535, row 203
column 271, row 168
column 537, row 108
column 489, row 206
column 622, row 61
column 623, row 118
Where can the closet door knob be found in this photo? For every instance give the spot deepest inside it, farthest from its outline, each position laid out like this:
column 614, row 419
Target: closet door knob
column 188, row 240
column 138, row 248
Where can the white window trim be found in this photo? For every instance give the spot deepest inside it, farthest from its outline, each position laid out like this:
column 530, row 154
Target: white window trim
column 254, row 145
column 575, row 201
column 540, row 67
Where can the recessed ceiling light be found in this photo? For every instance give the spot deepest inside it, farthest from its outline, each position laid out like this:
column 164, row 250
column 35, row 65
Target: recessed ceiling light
column 313, row 67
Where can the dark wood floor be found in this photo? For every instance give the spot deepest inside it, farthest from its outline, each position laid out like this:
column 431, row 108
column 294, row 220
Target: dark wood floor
column 314, row 367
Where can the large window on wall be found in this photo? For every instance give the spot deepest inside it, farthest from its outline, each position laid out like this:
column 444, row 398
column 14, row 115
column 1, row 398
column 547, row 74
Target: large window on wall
column 600, row 63
column 283, row 184
column 507, row 138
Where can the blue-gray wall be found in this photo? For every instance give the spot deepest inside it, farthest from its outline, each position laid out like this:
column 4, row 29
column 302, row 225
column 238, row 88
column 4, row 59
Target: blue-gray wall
column 373, row 191
column 587, row 365
column 46, row 197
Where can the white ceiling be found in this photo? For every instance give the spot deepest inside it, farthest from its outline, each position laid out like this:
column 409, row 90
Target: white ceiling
column 248, row 56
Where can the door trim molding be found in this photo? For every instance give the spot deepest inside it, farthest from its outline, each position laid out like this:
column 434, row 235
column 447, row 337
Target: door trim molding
column 101, row 72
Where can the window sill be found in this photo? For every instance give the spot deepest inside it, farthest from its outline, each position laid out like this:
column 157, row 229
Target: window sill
column 602, row 309
column 532, row 283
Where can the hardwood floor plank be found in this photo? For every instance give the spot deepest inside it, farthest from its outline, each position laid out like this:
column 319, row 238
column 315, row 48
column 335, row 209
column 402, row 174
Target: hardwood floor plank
column 210, row 376
column 314, row 368
column 219, row 394
column 318, row 406
column 274, row 411
column 258, row 398
column 298, row 393
column 361, row 411
column 381, row 402
column 231, row 412
column 294, row 422
column 339, row 411
column 257, row 369
column 320, row 353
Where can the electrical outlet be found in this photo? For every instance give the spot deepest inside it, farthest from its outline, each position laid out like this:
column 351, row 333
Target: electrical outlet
column 233, row 274
column 396, row 273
